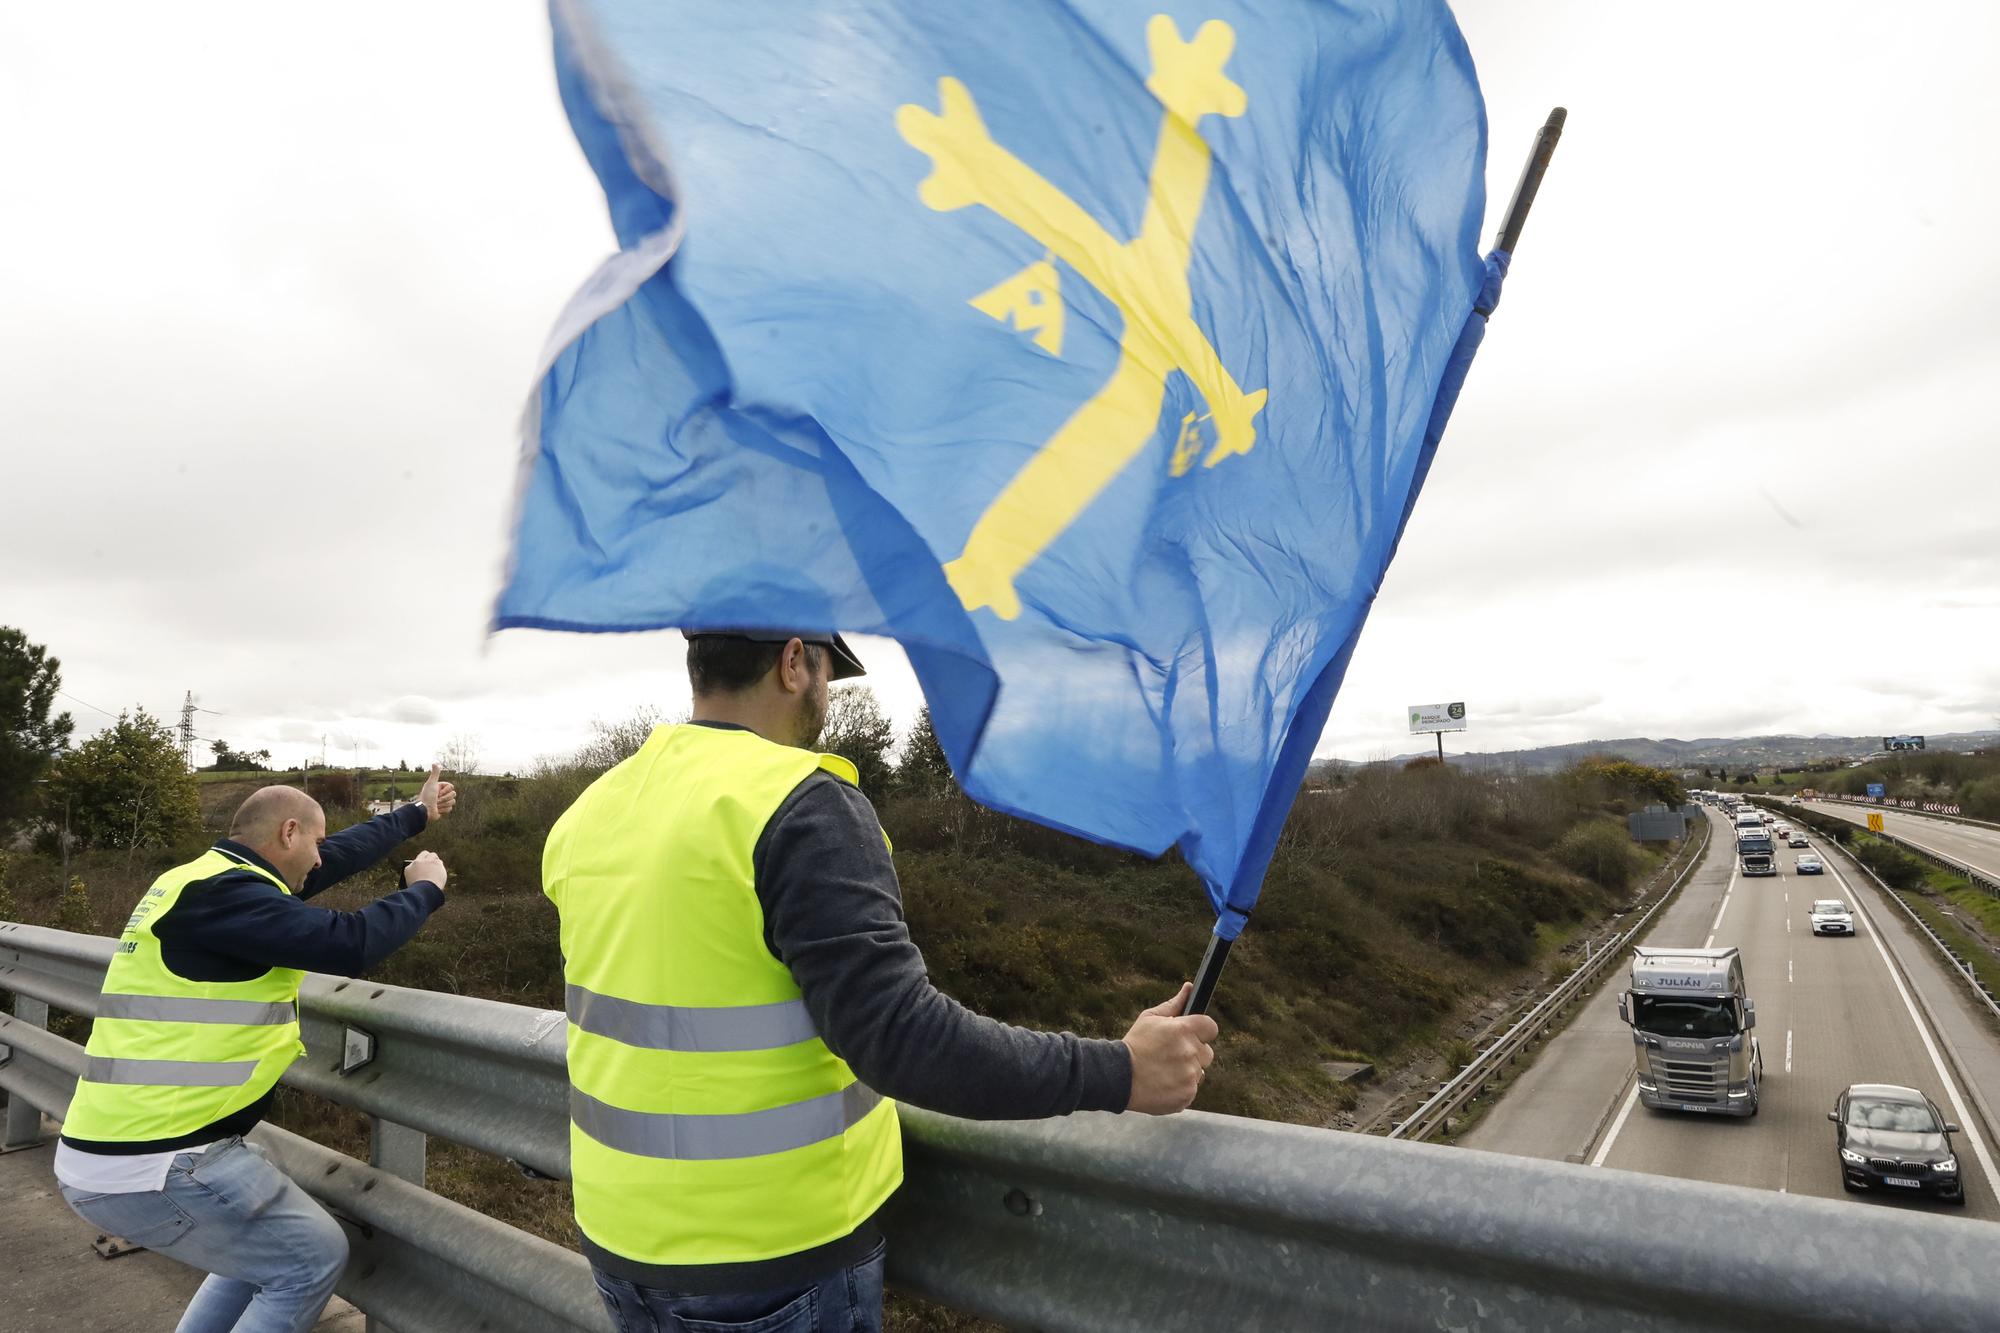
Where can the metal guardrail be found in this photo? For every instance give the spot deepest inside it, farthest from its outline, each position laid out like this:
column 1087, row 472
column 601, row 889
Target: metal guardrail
column 1436, row 1112
column 1944, row 814
column 1097, row 1222
column 1985, row 883
column 1957, row 960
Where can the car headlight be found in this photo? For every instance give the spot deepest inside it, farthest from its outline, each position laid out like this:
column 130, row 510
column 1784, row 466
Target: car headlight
column 1849, row 1155
column 1947, row 1166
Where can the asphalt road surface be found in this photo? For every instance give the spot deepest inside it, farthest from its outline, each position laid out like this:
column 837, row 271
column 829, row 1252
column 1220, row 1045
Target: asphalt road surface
column 1967, row 844
column 1830, row 1011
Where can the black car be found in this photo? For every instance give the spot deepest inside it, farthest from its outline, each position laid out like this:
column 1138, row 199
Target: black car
column 1895, row 1141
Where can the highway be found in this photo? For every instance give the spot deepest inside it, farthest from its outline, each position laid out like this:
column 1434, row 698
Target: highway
column 1968, row 844
column 1830, row 1011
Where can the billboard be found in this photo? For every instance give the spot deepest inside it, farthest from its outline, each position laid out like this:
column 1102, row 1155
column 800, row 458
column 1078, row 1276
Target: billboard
column 1902, row 742
column 1437, row 717
column 1876, row 790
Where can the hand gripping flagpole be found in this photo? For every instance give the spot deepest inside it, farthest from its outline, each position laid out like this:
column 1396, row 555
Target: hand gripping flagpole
column 1454, row 379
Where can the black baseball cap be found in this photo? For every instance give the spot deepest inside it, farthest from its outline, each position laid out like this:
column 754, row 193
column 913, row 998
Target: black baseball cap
column 846, row 666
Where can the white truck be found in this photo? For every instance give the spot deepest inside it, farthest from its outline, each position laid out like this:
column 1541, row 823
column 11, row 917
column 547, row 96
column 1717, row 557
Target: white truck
column 1691, row 1019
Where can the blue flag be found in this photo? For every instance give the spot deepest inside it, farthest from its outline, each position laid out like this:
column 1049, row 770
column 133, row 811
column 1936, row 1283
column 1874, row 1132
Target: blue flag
column 1092, row 352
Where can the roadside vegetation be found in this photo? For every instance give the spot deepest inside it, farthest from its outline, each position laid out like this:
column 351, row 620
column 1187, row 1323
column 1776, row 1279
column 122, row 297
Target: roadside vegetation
column 1400, row 902
column 1965, row 917
column 1944, row 777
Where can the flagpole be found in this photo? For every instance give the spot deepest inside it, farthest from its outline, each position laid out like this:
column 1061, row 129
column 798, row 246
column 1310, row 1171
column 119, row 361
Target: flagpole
column 1531, row 180
column 1516, row 218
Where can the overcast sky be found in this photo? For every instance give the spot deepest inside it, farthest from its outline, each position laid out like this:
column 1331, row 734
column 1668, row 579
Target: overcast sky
column 273, row 280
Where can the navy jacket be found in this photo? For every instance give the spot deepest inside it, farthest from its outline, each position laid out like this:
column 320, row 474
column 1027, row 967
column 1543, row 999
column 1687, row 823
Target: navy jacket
column 237, row 925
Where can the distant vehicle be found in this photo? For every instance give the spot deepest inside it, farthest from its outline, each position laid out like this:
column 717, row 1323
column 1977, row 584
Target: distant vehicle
column 1831, row 917
column 1798, row 800
column 1754, row 852
column 1768, row 817
column 1784, row 832
column 1691, row 1019
column 1896, row 1141
column 1797, row 839
column 1809, row 865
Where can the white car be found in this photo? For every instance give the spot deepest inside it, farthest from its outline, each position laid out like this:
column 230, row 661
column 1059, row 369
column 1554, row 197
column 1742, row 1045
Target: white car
column 1808, row 864
column 1831, row 917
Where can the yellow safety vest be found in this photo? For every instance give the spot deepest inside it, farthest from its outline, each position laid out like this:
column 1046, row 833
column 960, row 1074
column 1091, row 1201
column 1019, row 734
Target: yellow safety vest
column 708, row 1121
column 167, row 1055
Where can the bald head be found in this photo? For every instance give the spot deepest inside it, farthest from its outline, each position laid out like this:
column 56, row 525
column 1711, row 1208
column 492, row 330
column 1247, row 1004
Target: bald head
column 284, row 826
column 265, row 811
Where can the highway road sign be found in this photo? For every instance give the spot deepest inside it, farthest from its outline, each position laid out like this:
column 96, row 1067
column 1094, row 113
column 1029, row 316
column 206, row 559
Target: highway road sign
column 1874, row 823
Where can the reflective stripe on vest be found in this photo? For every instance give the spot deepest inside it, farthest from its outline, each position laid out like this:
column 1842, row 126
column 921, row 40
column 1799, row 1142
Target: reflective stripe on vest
column 709, row 1123
column 167, row 1055
column 170, row 1073
column 714, row 1138
column 186, row 1009
column 673, row 1027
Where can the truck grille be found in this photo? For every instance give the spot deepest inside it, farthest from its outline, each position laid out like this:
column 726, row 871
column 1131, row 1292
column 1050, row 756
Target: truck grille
column 1689, row 1080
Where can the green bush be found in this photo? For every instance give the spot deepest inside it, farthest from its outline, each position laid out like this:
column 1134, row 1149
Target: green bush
column 1600, row 850
column 74, row 910
column 1894, row 866
column 1981, row 799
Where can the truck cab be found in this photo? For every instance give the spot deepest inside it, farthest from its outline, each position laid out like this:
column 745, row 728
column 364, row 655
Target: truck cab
column 1691, row 1019
column 1756, row 852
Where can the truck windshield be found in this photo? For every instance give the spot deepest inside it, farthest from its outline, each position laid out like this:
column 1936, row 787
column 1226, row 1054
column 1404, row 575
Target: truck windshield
column 1683, row 1016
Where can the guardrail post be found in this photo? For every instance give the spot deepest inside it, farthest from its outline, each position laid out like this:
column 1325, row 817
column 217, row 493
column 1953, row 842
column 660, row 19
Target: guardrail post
column 24, row 1122
column 399, row 1150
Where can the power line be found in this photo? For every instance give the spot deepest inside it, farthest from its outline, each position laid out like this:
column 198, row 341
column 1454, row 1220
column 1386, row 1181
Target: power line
column 86, row 703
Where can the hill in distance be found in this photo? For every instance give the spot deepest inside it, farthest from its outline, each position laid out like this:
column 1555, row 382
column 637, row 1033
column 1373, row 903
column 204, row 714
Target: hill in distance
column 1744, row 752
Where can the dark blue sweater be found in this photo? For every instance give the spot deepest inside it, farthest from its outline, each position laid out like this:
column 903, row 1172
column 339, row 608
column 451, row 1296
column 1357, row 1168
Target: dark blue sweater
column 237, row 925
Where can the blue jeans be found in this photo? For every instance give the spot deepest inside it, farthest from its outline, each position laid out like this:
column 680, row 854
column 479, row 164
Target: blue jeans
column 848, row 1300
column 271, row 1253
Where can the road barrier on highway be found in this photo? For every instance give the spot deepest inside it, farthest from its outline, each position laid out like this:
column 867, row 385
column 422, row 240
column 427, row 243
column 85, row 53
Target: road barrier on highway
column 1097, row 1222
column 1434, row 1116
column 1983, row 882
column 1958, row 961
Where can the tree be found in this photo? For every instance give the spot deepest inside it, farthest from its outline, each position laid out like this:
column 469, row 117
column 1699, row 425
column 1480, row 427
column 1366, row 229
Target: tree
column 858, row 732
column 128, row 787
column 460, row 754
column 923, row 770
column 29, row 737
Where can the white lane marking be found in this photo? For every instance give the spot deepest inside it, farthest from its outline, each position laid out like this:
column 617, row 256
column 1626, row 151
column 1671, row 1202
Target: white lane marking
column 1788, row 1050
column 1788, row 969
column 1951, row 856
column 1924, row 1032
column 1724, row 907
column 1788, row 925
column 1604, row 1149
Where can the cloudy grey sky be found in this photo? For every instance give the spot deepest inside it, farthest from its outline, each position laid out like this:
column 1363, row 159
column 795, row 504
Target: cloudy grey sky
column 274, row 280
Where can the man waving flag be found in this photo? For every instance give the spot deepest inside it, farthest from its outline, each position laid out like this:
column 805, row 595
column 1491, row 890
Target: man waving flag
column 1092, row 352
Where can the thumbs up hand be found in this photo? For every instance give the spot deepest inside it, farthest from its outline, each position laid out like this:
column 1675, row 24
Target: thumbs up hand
column 438, row 797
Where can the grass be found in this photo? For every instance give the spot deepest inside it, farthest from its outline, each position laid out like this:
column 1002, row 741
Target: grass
column 1396, row 907
column 1977, row 954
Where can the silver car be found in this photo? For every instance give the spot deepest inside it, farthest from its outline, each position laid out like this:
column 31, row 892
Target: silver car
column 1831, row 917
column 1797, row 839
